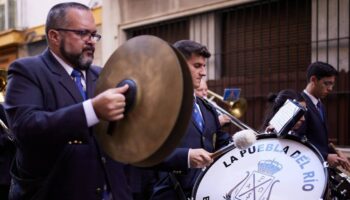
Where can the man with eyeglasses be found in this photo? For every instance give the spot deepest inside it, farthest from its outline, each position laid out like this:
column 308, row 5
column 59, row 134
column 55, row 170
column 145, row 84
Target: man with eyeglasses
column 321, row 79
column 52, row 112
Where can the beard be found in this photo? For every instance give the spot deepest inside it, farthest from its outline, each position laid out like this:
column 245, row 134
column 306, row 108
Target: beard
column 78, row 60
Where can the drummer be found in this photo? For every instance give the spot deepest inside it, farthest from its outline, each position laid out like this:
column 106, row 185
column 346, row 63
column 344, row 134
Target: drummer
column 321, row 78
column 276, row 101
column 197, row 145
column 51, row 111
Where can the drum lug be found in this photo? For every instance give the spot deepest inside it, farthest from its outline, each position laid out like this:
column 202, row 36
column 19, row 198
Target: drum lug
column 304, row 139
column 343, row 193
column 325, row 164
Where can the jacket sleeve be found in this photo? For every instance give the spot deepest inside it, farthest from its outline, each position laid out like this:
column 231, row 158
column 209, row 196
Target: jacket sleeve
column 176, row 161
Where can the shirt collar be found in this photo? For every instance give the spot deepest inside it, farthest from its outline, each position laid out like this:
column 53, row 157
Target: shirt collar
column 313, row 99
column 68, row 68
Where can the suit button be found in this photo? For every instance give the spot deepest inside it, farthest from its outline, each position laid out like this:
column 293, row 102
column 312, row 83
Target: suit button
column 98, row 191
column 103, row 160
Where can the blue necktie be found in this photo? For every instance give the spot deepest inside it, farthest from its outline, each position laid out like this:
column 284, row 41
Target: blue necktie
column 320, row 109
column 198, row 117
column 76, row 74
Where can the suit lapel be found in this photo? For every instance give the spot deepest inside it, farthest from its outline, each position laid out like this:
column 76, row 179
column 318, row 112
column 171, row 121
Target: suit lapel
column 67, row 82
column 63, row 77
column 312, row 107
column 91, row 79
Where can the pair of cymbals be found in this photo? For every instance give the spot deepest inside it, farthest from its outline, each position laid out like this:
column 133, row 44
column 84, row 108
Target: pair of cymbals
column 158, row 101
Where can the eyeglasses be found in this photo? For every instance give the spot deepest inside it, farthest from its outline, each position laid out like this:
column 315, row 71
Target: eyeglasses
column 84, row 34
column 328, row 83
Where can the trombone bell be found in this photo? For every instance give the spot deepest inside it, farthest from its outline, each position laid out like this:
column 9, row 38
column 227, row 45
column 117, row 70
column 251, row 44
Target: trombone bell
column 236, row 108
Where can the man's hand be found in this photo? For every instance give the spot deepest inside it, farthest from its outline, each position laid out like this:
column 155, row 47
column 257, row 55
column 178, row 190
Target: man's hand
column 269, row 129
column 199, row 158
column 110, row 104
column 224, row 119
column 334, row 161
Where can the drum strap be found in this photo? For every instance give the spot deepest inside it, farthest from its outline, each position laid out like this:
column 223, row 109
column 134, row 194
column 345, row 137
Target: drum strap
column 177, row 186
column 168, row 187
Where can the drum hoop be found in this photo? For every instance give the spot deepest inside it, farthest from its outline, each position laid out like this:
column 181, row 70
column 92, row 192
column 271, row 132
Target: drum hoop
column 269, row 136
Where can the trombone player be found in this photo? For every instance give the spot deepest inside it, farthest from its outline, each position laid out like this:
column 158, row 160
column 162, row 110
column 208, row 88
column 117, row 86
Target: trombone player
column 202, row 91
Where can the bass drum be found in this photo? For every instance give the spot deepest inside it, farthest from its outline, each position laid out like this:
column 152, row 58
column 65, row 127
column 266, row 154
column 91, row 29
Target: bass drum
column 273, row 168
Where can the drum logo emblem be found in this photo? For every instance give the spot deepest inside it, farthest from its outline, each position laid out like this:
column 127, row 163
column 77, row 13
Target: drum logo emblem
column 257, row 185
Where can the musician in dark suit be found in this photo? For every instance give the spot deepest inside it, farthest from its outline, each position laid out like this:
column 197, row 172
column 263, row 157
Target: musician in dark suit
column 52, row 115
column 202, row 136
column 202, row 91
column 7, row 152
column 321, row 79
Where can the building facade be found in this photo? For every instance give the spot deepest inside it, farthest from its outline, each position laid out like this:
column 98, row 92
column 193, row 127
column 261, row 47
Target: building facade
column 259, row 46
column 22, row 31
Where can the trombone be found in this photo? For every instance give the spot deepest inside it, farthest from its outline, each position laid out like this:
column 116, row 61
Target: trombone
column 237, row 109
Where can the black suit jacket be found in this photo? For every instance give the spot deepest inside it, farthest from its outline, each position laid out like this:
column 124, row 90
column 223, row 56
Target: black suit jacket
column 57, row 152
column 315, row 130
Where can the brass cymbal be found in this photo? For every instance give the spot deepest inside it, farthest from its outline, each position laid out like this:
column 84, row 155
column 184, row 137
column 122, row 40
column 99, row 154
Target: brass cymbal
column 159, row 101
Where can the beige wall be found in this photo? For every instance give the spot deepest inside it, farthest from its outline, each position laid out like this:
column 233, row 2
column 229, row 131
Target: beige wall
column 138, row 11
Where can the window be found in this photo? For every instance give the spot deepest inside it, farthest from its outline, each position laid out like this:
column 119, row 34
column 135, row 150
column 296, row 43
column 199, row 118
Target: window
column 8, row 14
column 2, row 17
column 12, row 4
column 170, row 31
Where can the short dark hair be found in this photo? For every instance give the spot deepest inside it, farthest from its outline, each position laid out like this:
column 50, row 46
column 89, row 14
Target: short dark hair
column 320, row 70
column 276, row 101
column 189, row 47
column 56, row 17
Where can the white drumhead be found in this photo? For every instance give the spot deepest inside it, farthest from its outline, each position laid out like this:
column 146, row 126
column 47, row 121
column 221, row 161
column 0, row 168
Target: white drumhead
column 272, row 169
